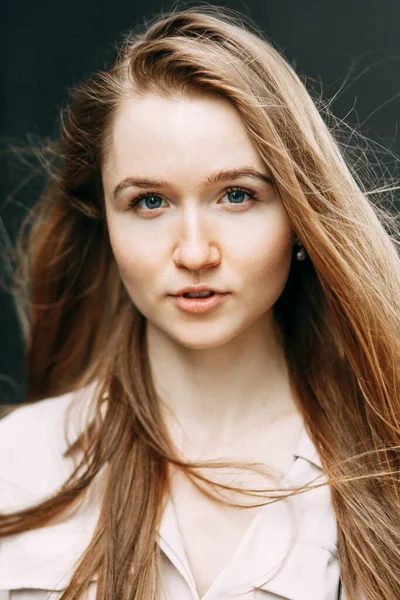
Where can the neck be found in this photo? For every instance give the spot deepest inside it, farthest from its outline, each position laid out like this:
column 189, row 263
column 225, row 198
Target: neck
column 224, row 392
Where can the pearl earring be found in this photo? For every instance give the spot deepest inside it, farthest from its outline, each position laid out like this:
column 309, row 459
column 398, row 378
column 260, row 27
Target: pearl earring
column 301, row 253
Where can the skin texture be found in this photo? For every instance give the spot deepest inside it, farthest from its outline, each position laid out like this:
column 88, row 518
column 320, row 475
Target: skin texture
column 198, row 235
column 221, row 376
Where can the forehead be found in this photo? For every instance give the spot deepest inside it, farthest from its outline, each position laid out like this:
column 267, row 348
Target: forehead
column 177, row 135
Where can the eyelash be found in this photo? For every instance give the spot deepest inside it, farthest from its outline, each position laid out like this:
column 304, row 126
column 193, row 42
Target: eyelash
column 251, row 193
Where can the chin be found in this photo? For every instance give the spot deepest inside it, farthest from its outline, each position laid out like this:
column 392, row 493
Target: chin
column 204, row 338
column 200, row 344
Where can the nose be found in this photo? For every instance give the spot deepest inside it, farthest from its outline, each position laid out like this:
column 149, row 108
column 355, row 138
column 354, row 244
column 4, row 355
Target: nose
column 196, row 247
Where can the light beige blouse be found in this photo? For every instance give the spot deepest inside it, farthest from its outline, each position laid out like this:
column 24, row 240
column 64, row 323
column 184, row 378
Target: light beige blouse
column 38, row 564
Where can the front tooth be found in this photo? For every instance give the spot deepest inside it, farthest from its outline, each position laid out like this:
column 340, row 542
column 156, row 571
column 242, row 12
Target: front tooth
column 199, row 294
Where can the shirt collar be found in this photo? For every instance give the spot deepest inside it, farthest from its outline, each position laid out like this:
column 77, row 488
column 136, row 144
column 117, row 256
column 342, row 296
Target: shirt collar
column 307, row 450
column 170, row 539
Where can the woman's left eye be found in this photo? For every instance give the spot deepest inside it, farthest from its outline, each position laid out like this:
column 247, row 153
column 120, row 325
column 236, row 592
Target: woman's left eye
column 237, row 195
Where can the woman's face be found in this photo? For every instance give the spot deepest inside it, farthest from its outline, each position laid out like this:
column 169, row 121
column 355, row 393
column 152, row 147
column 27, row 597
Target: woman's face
column 192, row 224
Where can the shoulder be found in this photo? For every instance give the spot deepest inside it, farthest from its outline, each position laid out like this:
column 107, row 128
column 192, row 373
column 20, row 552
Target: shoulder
column 33, row 439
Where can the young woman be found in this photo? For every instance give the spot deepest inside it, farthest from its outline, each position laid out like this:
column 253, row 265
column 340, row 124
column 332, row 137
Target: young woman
column 215, row 318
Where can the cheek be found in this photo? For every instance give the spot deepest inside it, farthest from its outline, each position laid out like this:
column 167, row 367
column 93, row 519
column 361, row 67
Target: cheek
column 265, row 251
column 137, row 256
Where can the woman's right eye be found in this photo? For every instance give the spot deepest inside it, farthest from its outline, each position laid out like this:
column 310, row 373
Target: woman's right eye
column 150, row 202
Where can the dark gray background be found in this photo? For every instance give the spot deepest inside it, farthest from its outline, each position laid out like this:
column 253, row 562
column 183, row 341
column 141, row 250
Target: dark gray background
column 48, row 46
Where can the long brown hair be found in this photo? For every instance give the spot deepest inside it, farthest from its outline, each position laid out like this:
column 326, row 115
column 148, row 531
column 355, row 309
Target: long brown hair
column 339, row 313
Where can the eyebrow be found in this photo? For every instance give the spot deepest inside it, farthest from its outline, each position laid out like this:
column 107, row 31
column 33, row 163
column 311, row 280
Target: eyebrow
column 212, row 179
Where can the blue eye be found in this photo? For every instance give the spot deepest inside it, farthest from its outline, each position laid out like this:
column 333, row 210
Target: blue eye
column 152, row 201
column 237, row 195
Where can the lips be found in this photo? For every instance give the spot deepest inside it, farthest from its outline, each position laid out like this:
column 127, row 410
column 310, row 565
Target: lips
column 199, row 291
column 199, row 304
